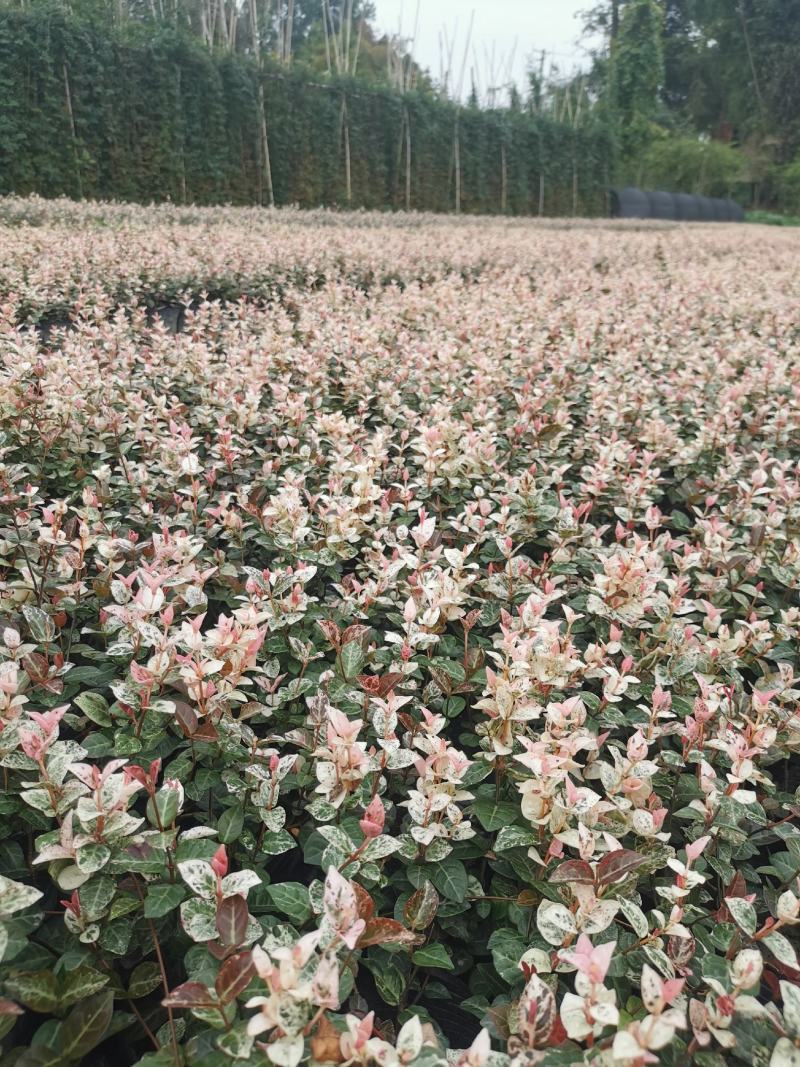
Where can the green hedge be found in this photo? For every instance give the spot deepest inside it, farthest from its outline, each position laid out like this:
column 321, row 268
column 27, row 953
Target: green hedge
column 158, row 117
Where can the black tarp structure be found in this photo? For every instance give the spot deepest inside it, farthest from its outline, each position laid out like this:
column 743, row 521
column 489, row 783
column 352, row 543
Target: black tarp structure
column 631, row 203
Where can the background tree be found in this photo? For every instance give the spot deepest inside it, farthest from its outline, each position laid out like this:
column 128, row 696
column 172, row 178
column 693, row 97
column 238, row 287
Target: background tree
column 636, row 75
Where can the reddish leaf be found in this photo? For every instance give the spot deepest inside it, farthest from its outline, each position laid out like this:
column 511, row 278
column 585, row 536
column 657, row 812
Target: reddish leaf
column 331, row 631
column 442, row 679
column 558, row 1035
column 8, row 1007
column 578, row 872
column 421, row 907
column 206, row 731
column 234, row 977
column 325, row 1044
column 463, row 687
column 528, row 898
column 218, row 950
column 773, row 983
column 379, row 684
column 737, row 887
column 388, row 682
column 186, row 716
column 189, row 995
column 232, row 918
column 356, row 632
column 498, row 1017
column 792, row 973
column 380, row 931
column 364, row 902
column 370, row 683
column 537, row 1013
column 615, row 865
column 681, row 950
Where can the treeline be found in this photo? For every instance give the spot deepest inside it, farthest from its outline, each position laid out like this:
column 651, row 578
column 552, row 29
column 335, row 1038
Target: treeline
column 148, row 112
column 703, row 94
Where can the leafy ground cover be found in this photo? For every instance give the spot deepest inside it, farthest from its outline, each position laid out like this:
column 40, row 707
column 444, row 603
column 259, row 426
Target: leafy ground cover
column 401, row 655
column 771, row 218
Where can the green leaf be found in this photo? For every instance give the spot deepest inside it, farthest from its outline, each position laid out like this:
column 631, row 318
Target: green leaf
column 162, row 899
column 353, row 659
column 199, row 919
column 85, row 1026
column 434, row 955
column 452, row 668
column 81, row 983
column 200, row 877
column 41, row 625
column 145, row 978
column 37, row 990
column 450, row 878
column 291, row 898
column 514, row 837
column 95, row 707
column 389, row 978
column 555, row 922
column 236, row 1043
column 229, row 824
column 635, row 916
column 744, row 914
column 94, row 676
column 15, row 896
column 116, row 937
column 507, row 949
column 277, row 842
column 791, row 1007
column 781, row 948
column 95, row 895
column 494, row 814
column 92, row 857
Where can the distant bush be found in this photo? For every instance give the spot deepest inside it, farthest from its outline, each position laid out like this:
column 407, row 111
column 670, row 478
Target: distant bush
column 690, row 165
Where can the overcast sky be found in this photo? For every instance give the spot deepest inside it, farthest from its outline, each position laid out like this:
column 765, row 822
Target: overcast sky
column 518, row 27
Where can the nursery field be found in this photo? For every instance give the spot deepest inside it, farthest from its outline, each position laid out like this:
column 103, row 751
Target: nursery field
column 398, row 632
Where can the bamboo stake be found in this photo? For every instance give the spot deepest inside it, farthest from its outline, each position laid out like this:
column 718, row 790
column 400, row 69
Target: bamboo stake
column 400, row 143
column 178, row 111
column 264, row 162
column 347, row 14
column 574, row 187
column 503, row 180
column 358, row 46
column 345, row 127
column 327, row 38
column 337, row 56
column 71, row 115
column 457, row 159
column 289, row 31
column 746, row 32
column 408, row 160
column 265, row 144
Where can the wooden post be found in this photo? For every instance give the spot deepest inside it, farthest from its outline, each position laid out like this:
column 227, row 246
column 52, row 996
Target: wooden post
column 541, row 195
